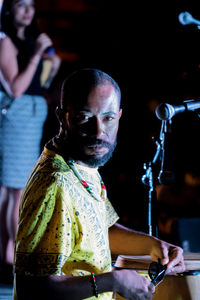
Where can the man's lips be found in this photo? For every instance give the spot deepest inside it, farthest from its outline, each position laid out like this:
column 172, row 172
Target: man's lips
column 98, row 148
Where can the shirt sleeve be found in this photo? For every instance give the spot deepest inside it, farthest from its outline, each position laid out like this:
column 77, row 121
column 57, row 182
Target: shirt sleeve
column 111, row 215
column 45, row 236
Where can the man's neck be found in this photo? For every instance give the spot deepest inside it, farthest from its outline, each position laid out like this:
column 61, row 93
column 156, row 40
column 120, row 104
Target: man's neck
column 56, row 144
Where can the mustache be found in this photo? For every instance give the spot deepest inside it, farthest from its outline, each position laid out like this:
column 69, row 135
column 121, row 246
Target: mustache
column 95, row 142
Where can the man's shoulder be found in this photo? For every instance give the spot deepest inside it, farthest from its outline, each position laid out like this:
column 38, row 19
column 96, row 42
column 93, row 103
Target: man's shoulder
column 50, row 169
column 51, row 162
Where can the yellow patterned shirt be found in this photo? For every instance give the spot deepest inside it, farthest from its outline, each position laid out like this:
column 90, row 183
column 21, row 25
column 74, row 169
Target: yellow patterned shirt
column 62, row 229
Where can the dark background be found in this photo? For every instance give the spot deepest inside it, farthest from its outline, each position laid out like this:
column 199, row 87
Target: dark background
column 154, row 59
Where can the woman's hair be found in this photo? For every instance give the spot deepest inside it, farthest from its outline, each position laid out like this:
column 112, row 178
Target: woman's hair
column 7, row 24
column 77, row 86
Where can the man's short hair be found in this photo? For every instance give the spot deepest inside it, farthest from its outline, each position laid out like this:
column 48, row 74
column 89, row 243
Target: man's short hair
column 77, row 86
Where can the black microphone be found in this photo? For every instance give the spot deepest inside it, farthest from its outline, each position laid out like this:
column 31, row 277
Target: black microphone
column 166, row 111
column 50, row 50
column 167, row 175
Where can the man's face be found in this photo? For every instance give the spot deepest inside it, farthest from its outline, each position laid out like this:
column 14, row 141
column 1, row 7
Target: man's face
column 91, row 127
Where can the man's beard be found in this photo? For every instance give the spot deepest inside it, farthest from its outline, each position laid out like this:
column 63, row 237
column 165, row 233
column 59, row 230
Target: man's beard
column 78, row 152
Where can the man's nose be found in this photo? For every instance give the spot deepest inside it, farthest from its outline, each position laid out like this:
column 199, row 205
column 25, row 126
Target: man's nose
column 97, row 128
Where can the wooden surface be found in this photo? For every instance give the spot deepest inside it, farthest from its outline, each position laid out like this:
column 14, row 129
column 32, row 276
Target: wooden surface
column 177, row 288
column 192, row 261
column 173, row 287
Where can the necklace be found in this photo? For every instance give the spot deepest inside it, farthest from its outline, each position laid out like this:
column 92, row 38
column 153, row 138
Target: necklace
column 86, row 185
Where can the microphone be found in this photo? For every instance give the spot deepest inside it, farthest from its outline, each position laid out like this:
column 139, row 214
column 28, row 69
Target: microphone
column 185, row 18
column 166, row 175
column 50, row 50
column 166, row 111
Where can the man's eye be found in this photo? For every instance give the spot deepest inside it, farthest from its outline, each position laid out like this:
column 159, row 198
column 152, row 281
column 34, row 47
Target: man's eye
column 109, row 118
column 82, row 118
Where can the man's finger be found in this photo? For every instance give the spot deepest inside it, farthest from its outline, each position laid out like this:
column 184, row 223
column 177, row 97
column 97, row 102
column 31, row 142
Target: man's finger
column 175, row 258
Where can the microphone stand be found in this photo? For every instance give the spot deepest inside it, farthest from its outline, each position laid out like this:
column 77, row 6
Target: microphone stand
column 148, row 177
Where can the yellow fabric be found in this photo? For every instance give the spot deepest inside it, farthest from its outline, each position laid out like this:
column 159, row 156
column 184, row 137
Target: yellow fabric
column 47, row 65
column 62, row 229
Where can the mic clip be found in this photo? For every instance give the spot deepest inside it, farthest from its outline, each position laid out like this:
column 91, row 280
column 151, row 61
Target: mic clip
column 147, row 178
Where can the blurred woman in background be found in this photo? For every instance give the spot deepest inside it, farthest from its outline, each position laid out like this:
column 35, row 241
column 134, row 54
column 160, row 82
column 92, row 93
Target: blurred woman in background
column 23, row 111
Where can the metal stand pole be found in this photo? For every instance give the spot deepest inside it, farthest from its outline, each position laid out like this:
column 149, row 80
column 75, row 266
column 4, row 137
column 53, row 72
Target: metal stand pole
column 148, row 178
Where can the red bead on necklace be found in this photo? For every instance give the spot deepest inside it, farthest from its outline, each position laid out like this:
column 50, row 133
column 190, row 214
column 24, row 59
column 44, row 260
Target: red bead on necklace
column 86, row 185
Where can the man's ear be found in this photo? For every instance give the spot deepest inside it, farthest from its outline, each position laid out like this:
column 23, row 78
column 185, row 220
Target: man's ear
column 120, row 113
column 58, row 113
column 61, row 114
column 63, row 118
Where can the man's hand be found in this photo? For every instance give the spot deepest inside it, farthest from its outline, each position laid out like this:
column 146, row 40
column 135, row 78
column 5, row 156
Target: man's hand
column 170, row 255
column 131, row 285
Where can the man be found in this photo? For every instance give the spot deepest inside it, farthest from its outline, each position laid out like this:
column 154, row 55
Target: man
column 67, row 226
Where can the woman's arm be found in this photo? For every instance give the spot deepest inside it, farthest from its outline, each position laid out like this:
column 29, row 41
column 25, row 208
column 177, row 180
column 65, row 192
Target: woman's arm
column 16, row 82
